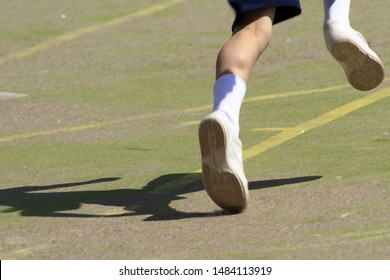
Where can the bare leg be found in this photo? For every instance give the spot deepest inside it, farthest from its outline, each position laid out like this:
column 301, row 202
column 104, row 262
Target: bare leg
column 250, row 38
column 222, row 166
column 236, row 60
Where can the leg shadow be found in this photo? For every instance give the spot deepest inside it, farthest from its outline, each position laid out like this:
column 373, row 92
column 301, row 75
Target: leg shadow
column 153, row 200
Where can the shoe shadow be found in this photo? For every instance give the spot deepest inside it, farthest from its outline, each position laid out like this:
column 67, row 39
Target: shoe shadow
column 152, row 201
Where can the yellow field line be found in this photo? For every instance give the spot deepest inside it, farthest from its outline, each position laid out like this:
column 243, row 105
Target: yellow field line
column 290, row 133
column 132, row 118
column 296, row 93
column 273, row 129
column 274, row 96
column 74, row 128
column 80, row 32
column 53, row 131
column 328, row 117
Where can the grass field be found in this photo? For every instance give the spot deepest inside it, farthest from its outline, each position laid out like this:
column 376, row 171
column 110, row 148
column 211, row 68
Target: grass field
column 99, row 158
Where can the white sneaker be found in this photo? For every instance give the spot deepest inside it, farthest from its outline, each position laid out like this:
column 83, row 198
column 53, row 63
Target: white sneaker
column 222, row 165
column 362, row 66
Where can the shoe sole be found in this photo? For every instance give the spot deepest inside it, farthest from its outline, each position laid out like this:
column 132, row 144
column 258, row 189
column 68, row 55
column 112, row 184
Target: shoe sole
column 364, row 72
column 221, row 183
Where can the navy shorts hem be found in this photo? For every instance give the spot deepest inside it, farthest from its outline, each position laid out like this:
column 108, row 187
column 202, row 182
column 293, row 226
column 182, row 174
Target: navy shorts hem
column 285, row 9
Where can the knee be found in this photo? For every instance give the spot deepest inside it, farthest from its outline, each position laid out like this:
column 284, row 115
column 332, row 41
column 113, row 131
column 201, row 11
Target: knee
column 258, row 24
column 260, row 31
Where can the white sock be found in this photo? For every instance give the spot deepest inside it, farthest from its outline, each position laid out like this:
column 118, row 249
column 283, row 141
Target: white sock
column 229, row 92
column 337, row 10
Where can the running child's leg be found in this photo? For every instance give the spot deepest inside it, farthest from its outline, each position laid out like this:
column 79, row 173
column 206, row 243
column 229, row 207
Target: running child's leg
column 236, row 60
column 222, row 165
column 362, row 66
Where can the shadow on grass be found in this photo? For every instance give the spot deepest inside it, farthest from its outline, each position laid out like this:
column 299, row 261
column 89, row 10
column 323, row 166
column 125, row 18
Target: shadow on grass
column 153, row 200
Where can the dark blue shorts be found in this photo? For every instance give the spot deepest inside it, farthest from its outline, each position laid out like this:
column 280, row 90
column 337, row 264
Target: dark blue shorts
column 285, row 9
